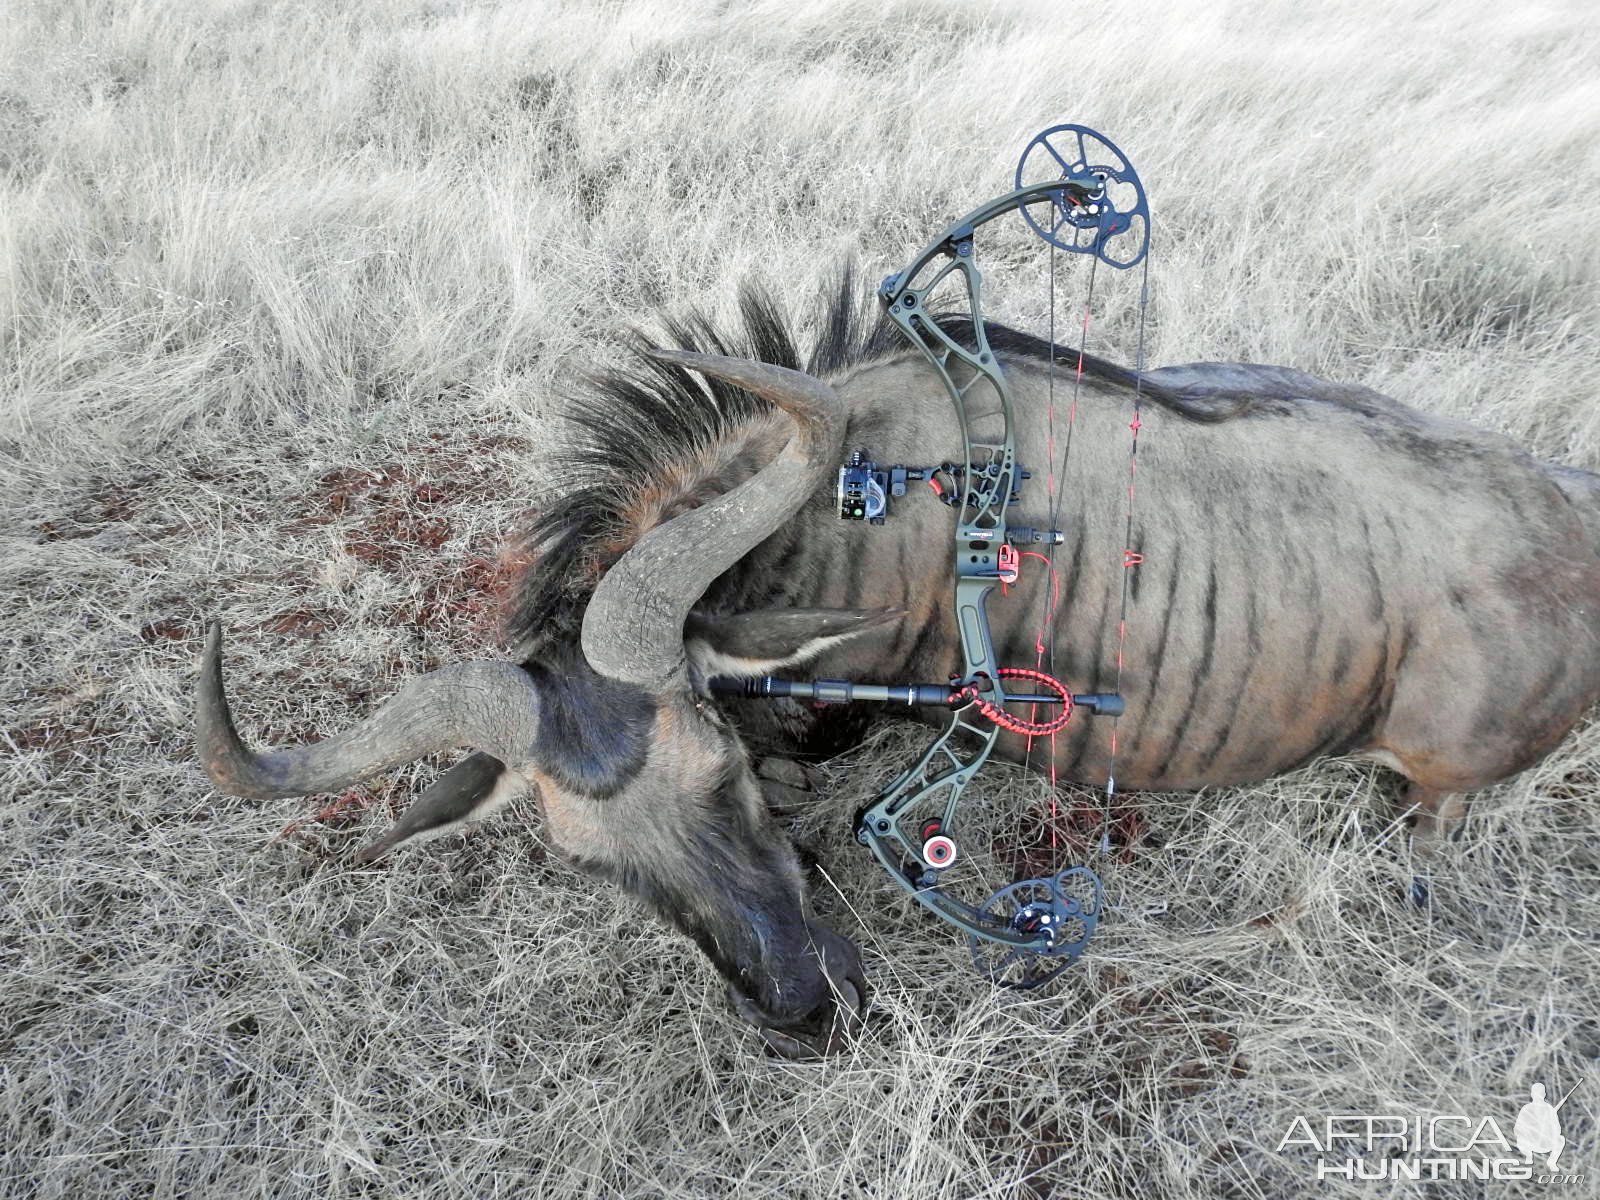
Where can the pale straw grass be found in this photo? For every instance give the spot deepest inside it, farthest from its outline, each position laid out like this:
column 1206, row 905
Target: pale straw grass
column 288, row 298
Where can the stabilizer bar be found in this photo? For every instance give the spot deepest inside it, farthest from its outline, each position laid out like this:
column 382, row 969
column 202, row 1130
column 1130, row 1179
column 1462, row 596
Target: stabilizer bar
column 934, row 695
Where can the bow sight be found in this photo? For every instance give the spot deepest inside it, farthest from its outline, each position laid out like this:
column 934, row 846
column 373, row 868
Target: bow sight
column 1079, row 193
column 865, row 489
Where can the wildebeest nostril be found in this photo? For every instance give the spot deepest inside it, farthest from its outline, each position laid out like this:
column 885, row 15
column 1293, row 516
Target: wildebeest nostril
column 825, row 1032
column 839, row 1010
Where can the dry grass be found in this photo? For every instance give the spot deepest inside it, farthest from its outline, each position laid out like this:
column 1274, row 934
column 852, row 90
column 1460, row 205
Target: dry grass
column 285, row 300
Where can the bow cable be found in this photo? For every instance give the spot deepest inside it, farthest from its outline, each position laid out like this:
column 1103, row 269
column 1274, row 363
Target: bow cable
column 1132, row 559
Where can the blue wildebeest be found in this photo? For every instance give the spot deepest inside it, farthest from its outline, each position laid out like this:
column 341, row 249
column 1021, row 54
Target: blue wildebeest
column 1325, row 572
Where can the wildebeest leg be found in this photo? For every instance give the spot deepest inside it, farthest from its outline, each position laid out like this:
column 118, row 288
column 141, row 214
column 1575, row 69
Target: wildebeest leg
column 469, row 791
column 788, row 789
column 1439, row 816
column 785, row 784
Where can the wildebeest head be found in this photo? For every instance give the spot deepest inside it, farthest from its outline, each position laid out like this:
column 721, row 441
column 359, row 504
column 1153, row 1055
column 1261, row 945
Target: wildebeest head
column 639, row 778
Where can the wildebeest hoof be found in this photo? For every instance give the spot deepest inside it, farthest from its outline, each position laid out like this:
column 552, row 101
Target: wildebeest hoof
column 785, row 771
column 782, row 800
column 786, row 786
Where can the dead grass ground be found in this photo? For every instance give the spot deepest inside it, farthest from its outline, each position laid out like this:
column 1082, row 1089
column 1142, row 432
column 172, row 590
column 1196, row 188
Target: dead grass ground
column 288, row 296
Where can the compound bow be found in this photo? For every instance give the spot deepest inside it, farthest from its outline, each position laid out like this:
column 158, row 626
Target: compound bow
column 1089, row 201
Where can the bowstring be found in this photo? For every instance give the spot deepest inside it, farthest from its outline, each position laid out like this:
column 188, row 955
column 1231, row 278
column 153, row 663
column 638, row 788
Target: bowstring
column 1056, row 488
column 1046, row 630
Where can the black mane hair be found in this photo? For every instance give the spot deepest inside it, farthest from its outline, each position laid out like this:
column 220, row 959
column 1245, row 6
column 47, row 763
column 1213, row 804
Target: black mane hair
column 629, row 426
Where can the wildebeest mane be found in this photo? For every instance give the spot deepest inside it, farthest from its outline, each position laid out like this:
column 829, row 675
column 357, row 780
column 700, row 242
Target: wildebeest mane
column 644, row 439
column 648, row 439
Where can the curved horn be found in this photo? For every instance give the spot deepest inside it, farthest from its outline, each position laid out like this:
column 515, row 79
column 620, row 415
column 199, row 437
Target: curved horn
column 490, row 706
column 633, row 628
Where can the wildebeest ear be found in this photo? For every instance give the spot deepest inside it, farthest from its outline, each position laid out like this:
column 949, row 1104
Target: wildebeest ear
column 767, row 640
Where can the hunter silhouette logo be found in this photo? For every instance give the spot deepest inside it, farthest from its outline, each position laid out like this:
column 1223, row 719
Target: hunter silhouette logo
column 1538, row 1127
column 1395, row 1145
